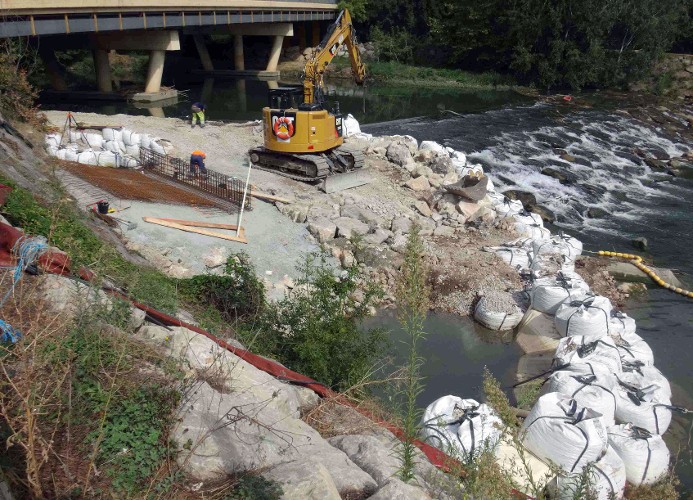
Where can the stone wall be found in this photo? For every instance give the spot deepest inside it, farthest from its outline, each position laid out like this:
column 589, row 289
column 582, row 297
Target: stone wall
column 674, row 73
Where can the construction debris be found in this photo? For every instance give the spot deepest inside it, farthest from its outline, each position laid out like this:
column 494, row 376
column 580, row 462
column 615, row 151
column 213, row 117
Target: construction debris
column 193, row 227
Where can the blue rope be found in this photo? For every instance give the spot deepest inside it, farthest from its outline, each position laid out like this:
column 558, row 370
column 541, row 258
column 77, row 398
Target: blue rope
column 27, row 251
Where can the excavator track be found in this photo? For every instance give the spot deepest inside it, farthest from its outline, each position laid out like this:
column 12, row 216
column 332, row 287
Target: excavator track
column 303, row 167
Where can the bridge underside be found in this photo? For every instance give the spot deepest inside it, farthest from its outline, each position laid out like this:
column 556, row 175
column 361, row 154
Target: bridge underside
column 70, row 23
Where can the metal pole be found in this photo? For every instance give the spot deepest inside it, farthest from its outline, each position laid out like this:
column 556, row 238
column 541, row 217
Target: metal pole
column 245, row 193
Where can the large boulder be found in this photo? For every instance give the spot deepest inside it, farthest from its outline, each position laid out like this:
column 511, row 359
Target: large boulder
column 423, row 208
column 323, row 229
column 68, row 298
column 231, row 432
column 418, row 184
column 398, row 154
column 467, row 208
column 377, row 237
column 304, row 480
column 528, row 199
column 297, row 213
column 355, row 211
column 399, row 490
column 348, row 227
column 441, row 165
column 401, row 225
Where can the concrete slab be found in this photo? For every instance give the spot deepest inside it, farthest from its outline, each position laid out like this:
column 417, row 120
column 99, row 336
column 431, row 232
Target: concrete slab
column 625, row 271
column 510, row 461
column 232, row 73
column 537, row 333
column 155, row 96
column 531, row 365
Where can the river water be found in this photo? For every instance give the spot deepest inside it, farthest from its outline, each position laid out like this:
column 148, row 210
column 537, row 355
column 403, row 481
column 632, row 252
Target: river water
column 515, row 138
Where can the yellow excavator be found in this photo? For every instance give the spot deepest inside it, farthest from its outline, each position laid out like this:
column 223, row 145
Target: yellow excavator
column 302, row 137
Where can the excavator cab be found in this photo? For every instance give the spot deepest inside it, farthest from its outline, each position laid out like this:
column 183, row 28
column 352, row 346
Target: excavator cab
column 286, row 98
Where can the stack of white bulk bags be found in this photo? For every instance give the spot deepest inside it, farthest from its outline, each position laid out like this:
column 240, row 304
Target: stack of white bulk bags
column 559, row 430
column 645, row 455
column 461, row 427
column 587, row 316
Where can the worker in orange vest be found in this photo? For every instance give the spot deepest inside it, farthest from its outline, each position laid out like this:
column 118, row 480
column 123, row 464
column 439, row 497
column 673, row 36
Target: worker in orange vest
column 197, row 161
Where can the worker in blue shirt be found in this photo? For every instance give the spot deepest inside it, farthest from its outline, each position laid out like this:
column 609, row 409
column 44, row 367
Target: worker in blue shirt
column 198, row 114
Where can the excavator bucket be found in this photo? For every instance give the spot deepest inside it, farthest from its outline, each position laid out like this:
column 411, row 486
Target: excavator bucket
column 346, row 180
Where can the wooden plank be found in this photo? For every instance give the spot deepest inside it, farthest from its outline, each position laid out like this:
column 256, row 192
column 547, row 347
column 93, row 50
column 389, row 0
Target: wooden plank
column 270, row 197
column 190, row 229
column 194, row 223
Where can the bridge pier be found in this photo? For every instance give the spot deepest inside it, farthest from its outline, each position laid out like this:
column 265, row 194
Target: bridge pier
column 275, row 53
column 55, row 74
column 238, row 55
column 104, row 82
column 205, row 59
column 157, row 58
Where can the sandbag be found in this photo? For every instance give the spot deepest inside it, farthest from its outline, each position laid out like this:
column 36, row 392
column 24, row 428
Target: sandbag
column 559, row 430
column 575, row 350
column 88, row 158
column 71, row 154
column 130, row 138
column 350, row 126
column 112, row 134
column 145, row 141
column 641, row 374
column 643, row 404
column 113, row 147
column 156, row 147
column 74, row 135
column 133, row 151
column 590, row 391
column 549, row 293
column 645, row 455
column 52, row 150
column 498, row 310
column 128, row 162
column 606, row 481
column 107, row 159
column 94, row 140
column 621, row 324
column 60, row 154
column 554, row 246
column 433, row 146
column 460, row 427
column 534, row 231
column 587, row 316
column 507, row 207
column 517, row 258
column 529, row 218
column 574, row 245
column 550, row 264
column 633, row 348
column 53, row 140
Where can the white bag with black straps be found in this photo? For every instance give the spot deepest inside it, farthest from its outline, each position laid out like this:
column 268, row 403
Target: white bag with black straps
column 460, row 427
column 587, row 316
column 498, row 311
column 507, row 207
column 643, row 404
column 621, row 324
column 639, row 373
column 575, row 350
column 549, row 293
column 559, row 430
column 550, row 264
column 516, row 257
column 573, row 245
column 633, row 348
column 644, row 454
column 606, row 480
column 554, row 246
column 590, row 391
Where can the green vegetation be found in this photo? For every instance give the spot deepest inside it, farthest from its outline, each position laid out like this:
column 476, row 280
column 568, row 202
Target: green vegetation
column 253, row 487
column 548, row 44
column 17, row 96
column 315, row 330
column 412, row 295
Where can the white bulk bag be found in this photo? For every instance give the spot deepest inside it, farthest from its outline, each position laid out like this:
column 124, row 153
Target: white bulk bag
column 113, row 147
column 644, row 454
column 574, row 245
column 643, row 404
column 74, row 136
column 156, row 147
column 71, row 154
column 94, row 140
column 554, row 246
column 549, row 264
column 52, row 150
column 107, row 159
column 590, row 391
column 60, row 154
column 88, row 158
column 633, row 348
column 529, row 219
column 587, row 316
column 532, row 231
column 508, row 207
column 53, row 140
column 433, row 146
column 639, row 373
column 350, row 126
column 607, row 480
column 127, row 162
column 620, row 324
column 559, row 430
column 549, row 293
column 497, row 313
column 575, row 350
column 145, row 141
column 525, row 243
column 133, row 151
column 461, row 427
column 494, row 198
column 130, row 138
column 517, row 258
column 112, row 134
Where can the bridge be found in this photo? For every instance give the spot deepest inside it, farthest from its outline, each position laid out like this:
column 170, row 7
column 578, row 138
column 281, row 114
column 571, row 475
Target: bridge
column 157, row 26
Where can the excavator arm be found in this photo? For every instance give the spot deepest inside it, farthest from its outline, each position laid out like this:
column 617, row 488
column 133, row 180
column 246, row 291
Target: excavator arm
column 340, row 33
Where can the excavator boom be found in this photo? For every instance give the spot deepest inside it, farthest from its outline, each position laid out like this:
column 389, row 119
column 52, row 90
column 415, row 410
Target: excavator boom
column 340, row 33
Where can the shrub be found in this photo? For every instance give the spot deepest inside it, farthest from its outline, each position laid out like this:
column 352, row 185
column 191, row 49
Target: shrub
column 237, row 295
column 316, row 329
column 17, row 96
column 253, row 487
